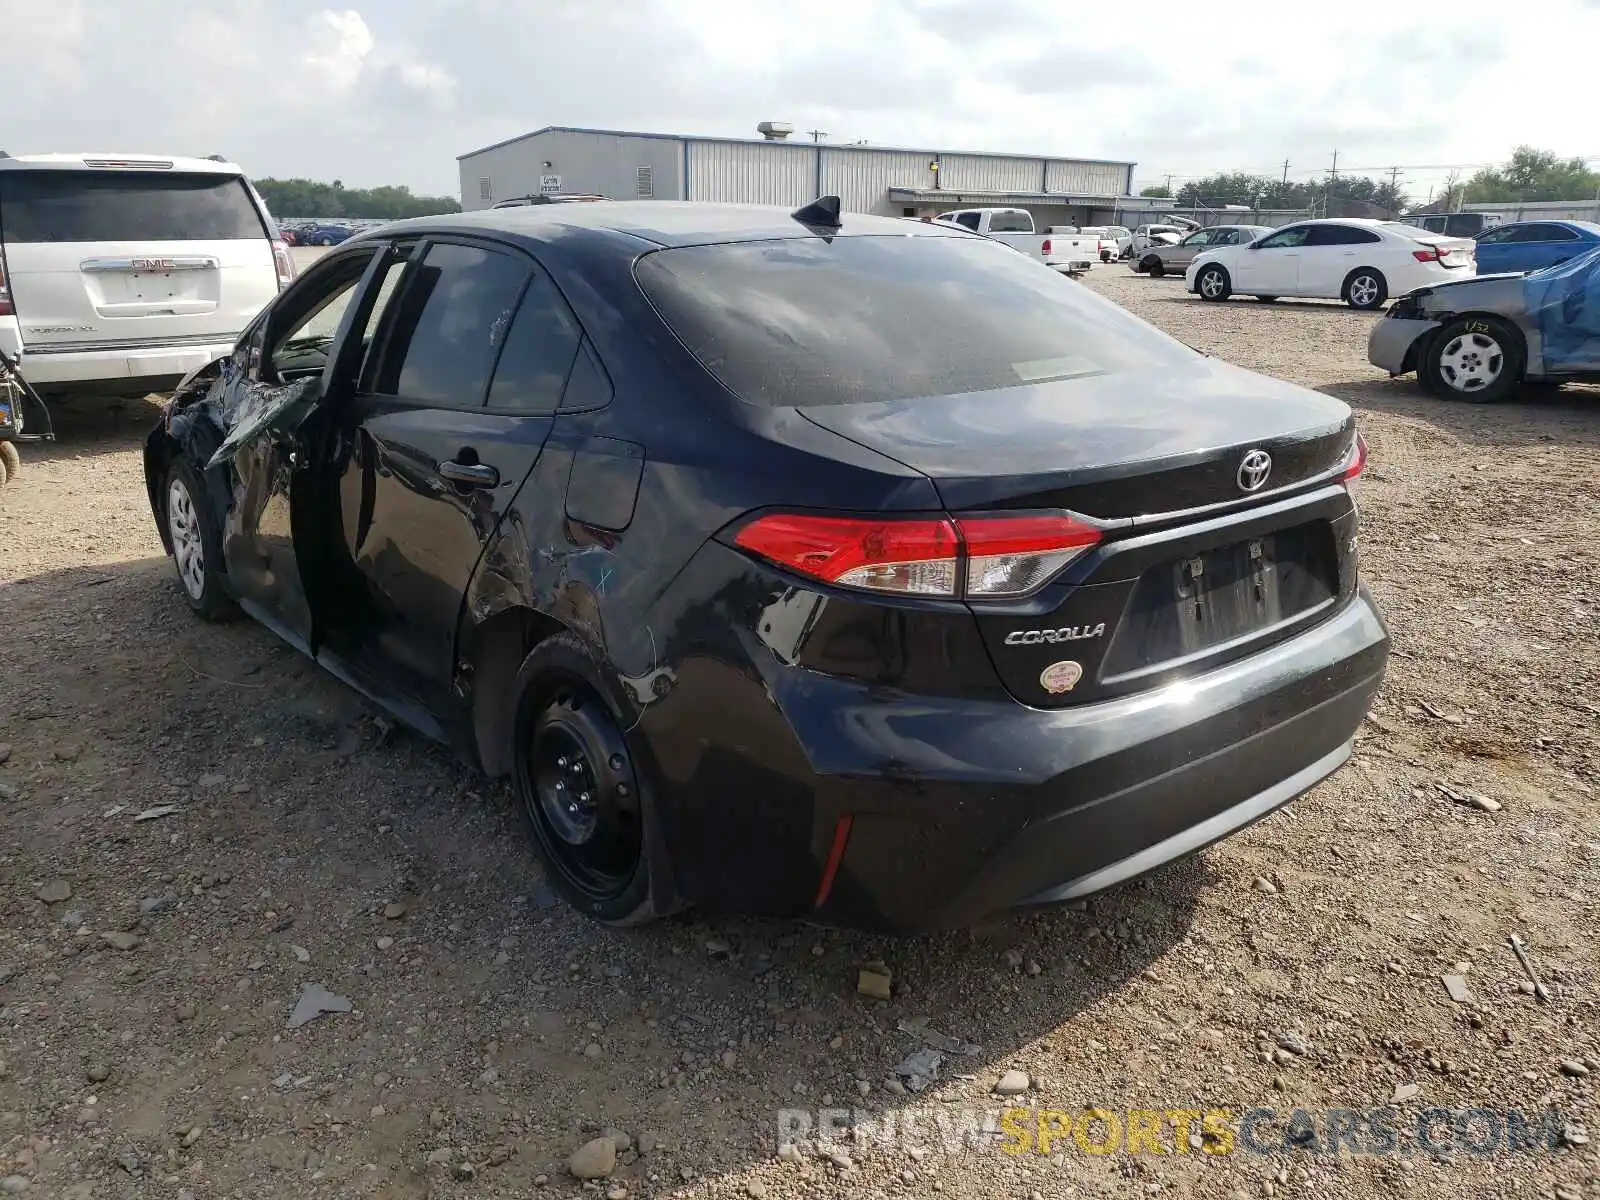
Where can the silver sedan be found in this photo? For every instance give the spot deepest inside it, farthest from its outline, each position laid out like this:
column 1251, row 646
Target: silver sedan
column 1175, row 259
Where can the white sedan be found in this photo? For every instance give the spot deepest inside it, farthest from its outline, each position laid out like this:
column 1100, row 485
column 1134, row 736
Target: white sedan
column 1361, row 262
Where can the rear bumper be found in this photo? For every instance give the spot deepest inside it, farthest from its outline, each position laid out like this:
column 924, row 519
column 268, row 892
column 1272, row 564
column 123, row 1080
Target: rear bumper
column 950, row 809
column 117, row 371
column 1392, row 344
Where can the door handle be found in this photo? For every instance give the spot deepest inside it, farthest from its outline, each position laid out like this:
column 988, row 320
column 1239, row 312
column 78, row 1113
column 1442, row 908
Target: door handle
column 477, row 475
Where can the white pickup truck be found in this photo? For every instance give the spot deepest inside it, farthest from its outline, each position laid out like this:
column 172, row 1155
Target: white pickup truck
column 1014, row 227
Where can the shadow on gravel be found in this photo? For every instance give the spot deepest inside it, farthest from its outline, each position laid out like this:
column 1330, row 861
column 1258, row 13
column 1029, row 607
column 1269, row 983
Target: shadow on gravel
column 487, row 1015
column 91, row 425
column 1568, row 415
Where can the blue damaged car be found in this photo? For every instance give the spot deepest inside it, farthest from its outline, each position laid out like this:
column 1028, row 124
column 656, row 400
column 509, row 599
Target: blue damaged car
column 1479, row 339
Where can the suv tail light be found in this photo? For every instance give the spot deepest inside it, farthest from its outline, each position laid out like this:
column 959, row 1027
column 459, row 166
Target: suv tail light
column 284, row 262
column 1000, row 555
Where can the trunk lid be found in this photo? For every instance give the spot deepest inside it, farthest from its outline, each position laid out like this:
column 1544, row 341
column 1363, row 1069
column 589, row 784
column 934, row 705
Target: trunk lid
column 1111, row 446
column 1170, row 591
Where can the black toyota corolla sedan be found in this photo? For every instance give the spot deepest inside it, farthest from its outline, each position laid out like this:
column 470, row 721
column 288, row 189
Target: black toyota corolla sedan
column 788, row 563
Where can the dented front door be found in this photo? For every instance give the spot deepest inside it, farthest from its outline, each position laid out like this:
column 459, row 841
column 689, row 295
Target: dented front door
column 270, row 397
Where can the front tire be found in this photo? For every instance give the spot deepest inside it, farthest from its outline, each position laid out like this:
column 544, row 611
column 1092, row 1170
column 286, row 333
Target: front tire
column 196, row 543
column 1476, row 359
column 580, row 786
column 1365, row 288
column 1213, row 283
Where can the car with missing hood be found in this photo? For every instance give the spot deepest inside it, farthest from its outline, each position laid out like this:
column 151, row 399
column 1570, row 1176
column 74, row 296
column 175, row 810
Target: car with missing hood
column 802, row 564
column 1480, row 338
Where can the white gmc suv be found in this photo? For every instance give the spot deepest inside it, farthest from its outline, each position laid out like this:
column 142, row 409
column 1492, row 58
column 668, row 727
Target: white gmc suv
column 121, row 273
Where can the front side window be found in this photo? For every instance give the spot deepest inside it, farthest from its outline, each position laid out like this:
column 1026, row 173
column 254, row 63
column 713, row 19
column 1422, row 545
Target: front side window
column 451, row 321
column 1295, row 235
column 1197, row 239
column 805, row 322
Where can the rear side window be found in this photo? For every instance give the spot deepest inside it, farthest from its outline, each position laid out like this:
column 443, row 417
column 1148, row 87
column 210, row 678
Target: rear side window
column 807, row 322
column 84, row 206
column 538, row 354
column 1340, row 235
column 453, row 316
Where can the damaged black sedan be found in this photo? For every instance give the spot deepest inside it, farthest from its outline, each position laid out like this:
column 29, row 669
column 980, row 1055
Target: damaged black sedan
column 787, row 562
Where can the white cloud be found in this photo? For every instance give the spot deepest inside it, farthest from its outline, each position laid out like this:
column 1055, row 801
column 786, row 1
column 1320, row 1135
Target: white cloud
column 342, row 42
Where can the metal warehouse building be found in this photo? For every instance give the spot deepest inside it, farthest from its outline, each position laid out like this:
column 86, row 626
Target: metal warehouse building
column 774, row 170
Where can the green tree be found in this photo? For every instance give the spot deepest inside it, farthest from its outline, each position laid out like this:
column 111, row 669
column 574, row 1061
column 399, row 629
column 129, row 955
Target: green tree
column 308, row 198
column 1263, row 191
column 1159, row 191
column 1534, row 174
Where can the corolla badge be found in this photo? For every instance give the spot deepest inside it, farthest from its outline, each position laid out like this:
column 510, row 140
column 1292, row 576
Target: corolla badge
column 1060, row 677
column 1253, row 470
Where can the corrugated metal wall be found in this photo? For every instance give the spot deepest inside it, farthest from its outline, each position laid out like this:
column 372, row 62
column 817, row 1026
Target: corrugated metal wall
column 1086, row 179
column 861, row 178
column 759, row 173
column 979, row 173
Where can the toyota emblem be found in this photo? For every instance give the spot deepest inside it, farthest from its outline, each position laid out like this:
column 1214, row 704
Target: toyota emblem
column 1253, row 471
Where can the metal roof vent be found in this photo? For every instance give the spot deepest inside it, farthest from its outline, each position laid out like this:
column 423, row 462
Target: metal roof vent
column 774, row 131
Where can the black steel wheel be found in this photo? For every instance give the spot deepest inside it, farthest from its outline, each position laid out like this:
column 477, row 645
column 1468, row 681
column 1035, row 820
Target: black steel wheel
column 578, row 786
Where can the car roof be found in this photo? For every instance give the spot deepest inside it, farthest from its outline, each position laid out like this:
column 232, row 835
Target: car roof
column 119, row 162
column 661, row 222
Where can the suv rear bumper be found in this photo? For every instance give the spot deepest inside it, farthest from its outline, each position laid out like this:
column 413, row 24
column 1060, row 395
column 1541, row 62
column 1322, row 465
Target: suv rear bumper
column 932, row 812
column 113, row 370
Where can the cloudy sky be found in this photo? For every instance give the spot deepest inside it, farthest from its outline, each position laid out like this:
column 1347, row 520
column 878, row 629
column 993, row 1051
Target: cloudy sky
column 390, row 91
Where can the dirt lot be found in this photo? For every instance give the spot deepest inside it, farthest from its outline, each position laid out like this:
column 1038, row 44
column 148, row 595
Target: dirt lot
column 147, row 967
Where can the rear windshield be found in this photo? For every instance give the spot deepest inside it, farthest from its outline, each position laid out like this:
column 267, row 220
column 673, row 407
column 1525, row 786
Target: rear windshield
column 810, row 322
column 83, row 206
column 1412, row 232
column 1010, row 223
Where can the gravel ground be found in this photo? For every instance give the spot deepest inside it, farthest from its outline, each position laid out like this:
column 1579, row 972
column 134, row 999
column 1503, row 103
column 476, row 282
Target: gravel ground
column 148, row 966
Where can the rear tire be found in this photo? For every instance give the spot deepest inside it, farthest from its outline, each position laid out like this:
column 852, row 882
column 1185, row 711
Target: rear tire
column 1365, row 288
column 10, row 462
column 1213, row 283
column 1155, row 267
column 1476, row 359
column 580, row 787
column 196, row 543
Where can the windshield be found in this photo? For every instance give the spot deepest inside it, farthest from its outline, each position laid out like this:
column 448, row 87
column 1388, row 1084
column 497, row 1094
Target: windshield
column 83, row 206
column 853, row 320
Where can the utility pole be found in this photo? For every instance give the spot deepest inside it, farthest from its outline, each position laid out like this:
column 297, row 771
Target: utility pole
column 1286, row 172
column 817, row 134
column 1169, row 183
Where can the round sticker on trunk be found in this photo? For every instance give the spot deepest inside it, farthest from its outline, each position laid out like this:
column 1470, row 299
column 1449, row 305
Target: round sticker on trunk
column 1060, row 677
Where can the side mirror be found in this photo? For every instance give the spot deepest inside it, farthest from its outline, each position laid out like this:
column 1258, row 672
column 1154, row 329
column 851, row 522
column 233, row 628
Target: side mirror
column 1255, row 245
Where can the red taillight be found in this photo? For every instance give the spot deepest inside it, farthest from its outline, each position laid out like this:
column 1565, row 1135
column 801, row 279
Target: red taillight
column 1045, row 249
column 1431, row 254
column 1005, row 555
column 1356, row 462
column 284, row 262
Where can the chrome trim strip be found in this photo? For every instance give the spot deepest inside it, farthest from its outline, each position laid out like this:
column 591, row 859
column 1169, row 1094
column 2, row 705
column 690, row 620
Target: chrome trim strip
column 188, row 342
column 153, row 264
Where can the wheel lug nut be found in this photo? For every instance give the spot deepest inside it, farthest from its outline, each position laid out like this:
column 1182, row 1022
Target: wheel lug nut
column 584, row 798
column 616, row 762
column 562, row 761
